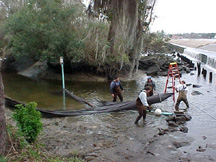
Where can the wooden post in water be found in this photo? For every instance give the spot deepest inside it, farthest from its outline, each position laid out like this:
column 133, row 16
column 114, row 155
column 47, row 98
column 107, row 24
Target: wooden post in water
column 210, row 77
column 204, row 72
column 198, row 68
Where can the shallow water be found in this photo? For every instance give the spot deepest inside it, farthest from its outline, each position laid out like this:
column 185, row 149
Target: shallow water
column 48, row 95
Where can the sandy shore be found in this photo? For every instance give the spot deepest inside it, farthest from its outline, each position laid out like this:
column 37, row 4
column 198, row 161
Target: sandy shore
column 207, row 44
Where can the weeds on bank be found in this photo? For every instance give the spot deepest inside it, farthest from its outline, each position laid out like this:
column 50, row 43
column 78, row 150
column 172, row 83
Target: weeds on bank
column 28, row 121
column 21, row 141
column 20, row 150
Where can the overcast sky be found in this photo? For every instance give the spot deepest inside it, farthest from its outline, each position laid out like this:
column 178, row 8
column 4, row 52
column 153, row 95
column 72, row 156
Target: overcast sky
column 185, row 16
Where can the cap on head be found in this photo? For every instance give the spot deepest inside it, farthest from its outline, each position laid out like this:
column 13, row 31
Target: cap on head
column 149, row 77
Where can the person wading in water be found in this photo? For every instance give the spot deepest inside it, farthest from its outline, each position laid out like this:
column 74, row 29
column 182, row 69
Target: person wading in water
column 151, row 84
column 115, row 89
column 142, row 104
column 182, row 90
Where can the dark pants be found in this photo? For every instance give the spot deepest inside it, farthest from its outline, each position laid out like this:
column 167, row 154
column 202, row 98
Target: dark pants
column 119, row 95
column 142, row 113
column 179, row 100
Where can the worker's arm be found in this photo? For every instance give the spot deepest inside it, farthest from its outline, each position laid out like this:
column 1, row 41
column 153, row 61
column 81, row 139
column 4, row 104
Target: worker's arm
column 112, row 85
column 143, row 98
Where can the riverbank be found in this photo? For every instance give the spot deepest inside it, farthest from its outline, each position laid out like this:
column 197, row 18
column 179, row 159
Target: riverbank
column 93, row 139
column 151, row 64
column 40, row 71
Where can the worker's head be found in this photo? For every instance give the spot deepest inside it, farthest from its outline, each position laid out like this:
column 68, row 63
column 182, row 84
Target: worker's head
column 182, row 82
column 147, row 89
column 149, row 78
column 116, row 78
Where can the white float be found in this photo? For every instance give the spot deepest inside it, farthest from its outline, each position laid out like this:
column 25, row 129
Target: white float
column 158, row 112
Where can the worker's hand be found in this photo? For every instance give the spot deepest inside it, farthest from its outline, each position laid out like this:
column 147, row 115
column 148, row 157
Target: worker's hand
column 155, row 92
column 122, row 91
column 112, row 95
column 149, row 108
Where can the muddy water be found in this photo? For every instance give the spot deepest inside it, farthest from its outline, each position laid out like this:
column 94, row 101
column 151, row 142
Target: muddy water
column 116, row 130
column 48, row 94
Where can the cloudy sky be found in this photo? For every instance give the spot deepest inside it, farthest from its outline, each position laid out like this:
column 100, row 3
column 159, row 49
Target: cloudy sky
column 185, row 16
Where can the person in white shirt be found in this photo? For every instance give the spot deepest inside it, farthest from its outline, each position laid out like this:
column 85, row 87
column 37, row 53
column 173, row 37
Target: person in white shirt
column 182, row 90
column 142, row 104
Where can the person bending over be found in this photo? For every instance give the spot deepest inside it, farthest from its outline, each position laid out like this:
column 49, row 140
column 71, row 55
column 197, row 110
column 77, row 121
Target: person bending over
column 182, row 90
column 142, row 104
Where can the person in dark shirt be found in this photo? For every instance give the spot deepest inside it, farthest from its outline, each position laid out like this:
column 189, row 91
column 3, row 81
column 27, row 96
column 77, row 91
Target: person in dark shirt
column 151, row 84
column 115, row 89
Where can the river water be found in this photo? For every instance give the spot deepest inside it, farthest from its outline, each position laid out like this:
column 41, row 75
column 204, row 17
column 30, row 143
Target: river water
column 48, row 95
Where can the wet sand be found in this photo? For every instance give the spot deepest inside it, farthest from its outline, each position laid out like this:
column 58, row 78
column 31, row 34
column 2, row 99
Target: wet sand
column 115, row 139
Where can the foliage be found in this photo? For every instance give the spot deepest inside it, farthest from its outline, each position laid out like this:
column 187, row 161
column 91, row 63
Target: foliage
column 29, row 121
column 20, row 150
column 45, row 30
column 155, row 43
column 97, row 46
column 2, row 159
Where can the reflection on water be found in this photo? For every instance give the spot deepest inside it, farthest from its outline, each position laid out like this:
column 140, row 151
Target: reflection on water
column 48, row 94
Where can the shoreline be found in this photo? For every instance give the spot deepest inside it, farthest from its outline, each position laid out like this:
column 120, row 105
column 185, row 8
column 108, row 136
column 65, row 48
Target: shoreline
column 207, row 44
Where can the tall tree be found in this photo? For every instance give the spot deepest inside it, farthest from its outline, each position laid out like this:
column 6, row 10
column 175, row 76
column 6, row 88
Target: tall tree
column 129, row 19
column 145, row 12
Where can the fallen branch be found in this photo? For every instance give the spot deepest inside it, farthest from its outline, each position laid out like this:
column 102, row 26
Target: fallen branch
column 78, row 98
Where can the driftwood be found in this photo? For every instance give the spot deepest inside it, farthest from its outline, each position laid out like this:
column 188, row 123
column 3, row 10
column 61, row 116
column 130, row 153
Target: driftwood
column 106, row 106
column 78, row 98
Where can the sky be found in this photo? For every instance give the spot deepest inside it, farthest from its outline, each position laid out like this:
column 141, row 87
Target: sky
column 185, row 16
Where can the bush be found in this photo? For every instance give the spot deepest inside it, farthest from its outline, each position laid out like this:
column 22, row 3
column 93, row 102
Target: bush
column 44, row 30
column 28, row 121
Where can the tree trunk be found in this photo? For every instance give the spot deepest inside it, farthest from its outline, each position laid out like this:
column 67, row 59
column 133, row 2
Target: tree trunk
column 111, row 37
column 3, row 133
column 140, row 47
column 137, row 47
